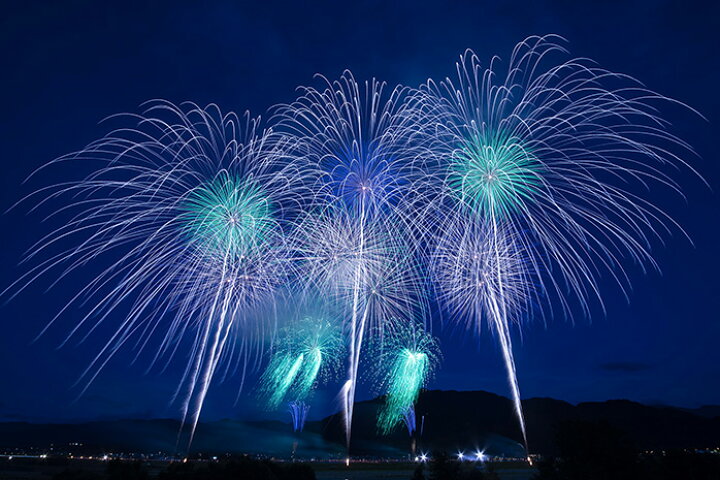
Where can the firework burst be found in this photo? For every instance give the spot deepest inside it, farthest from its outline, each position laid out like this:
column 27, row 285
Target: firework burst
column 307, row 351
column 406, row 360
column 516, row 187
column 534, row 171
column 359, row 141
column 192, row 207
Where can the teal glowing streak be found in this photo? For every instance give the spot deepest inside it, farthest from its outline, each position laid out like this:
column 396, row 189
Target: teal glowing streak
column 409, row 373
column 283, row 372
column 307, row 352
column 311, row 368
column 412, row 355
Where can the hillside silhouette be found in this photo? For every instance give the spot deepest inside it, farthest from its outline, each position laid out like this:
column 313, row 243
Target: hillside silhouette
column 447, row 420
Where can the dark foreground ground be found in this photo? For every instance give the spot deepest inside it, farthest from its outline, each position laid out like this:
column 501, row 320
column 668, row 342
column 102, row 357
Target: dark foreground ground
column 406, row 471
column 668, row 465
column 585, row 451
column 64, row 469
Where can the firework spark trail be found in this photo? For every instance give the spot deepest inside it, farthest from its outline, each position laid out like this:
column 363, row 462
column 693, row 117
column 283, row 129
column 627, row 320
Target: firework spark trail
column 409, row 371
column 191, row 207
column 500, row 314
column 298, row 413
column 359, row 142
column 379, row 285
column 281, row 374
column 308, row 350
column 357, row 331
column 544, row 158
column 481, row 275
column 405, row 362
column 306, row 380
column 410, row 420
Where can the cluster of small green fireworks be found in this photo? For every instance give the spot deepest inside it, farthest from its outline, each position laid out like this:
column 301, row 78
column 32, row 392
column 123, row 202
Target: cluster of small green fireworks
column 411, row 354
column 307, row 351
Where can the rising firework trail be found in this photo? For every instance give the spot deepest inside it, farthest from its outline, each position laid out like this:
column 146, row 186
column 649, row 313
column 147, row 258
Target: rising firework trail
column 481, row 274
column 358, row 139
column 190, row 207
column 536, row 168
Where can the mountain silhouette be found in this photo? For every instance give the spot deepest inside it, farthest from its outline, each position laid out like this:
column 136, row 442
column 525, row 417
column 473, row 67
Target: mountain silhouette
column 447, row 420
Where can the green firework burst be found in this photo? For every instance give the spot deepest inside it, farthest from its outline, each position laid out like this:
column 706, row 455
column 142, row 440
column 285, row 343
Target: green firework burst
column 412, row 356
column 494, row 174
column 229, row 215
column 308, row 351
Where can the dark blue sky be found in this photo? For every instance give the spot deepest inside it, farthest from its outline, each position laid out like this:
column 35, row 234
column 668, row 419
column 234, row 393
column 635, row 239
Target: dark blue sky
column 66, row 65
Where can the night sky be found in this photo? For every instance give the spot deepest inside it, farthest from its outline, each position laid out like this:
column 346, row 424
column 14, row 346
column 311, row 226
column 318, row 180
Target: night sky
column 67, row 65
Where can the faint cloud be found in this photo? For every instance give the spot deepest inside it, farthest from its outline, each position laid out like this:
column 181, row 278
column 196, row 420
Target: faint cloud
column 625, row 367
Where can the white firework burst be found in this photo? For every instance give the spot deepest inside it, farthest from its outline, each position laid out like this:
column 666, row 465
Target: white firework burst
column 190, row 207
